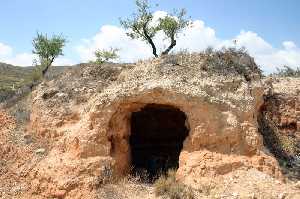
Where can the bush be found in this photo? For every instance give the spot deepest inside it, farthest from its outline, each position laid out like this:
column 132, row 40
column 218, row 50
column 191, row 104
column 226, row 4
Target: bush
column 230, row 61
column 225, row 62
column 36, row 75
column 103, row 56
column 287, row 71
column 166, row 185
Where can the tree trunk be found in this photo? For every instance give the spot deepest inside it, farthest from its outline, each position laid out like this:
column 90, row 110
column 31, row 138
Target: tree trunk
column 173, row 43
column 150, row 41
column 44, row 71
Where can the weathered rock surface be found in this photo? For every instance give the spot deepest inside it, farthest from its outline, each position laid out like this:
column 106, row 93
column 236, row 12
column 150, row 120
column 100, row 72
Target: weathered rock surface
column 85, row 118
column 280, row 121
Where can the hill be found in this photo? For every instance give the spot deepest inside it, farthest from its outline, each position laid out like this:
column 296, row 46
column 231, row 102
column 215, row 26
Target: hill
column 108, row 131
column 12, row 78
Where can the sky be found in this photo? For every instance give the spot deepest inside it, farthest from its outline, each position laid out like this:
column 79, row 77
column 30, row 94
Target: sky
column 269, row 29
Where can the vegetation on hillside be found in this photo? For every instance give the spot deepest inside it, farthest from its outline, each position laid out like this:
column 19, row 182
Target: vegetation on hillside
column 15, row 79
column 12, row 78
column 234, row 61
column 103, row 56
column 224, row 62
column 227, row 61
column 141, row 26
column 287, row 71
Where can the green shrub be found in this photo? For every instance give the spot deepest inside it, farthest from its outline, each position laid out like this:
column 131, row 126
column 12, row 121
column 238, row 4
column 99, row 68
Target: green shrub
column 103, row 56
column 36, row 75
column 166, row 185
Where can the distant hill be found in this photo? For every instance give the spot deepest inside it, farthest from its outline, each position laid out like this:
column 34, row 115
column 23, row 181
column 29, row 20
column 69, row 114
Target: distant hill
column 14, row 77
column 10, row 75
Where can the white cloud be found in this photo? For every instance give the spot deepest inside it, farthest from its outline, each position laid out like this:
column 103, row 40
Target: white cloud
column 5, row 50
column 7, row 56
column 61, row 61
column 254, row 43
column 113, row 36
column 268, row 57
column 288, row 55
column 22, row 59
column 26, row 59
column 194, row 38
column 289, row 45
column 197, row 37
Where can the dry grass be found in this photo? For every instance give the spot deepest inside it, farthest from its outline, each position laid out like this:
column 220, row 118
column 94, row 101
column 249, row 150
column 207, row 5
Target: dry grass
column 106, row 176
column 167, row 186
column 130, row 186
column 226, row 62
column 116, row 187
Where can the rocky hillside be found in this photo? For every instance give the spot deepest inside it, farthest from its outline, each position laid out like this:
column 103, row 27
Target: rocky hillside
column 280, row 121
column 81, row 134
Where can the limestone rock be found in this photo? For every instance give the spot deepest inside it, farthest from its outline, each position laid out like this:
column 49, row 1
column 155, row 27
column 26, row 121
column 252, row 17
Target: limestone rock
column 86, row 118
column 40, row 151
column 280, row 119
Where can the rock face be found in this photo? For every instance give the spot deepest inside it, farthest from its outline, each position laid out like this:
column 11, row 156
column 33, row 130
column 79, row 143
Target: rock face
column 6, row 123
column 86, row 118
column 280, row 120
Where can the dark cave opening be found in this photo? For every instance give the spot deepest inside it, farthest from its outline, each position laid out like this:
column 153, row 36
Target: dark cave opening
column 157, row 135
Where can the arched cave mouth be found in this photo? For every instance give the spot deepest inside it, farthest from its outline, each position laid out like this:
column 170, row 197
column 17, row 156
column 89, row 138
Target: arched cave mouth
column 156, row 140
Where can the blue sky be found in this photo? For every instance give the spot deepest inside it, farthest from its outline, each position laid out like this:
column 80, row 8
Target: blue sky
column 269, row 22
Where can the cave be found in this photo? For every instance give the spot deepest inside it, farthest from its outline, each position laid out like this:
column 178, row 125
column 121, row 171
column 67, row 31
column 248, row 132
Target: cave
column 156, row 140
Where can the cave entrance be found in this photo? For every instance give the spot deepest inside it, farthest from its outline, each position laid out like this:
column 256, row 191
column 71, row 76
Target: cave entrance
column 157, row 135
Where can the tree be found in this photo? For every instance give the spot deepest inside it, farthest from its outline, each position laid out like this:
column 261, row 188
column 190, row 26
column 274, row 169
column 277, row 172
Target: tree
column 47, row 49
column 140, row 26
column 171, row 26
column 106, row 55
